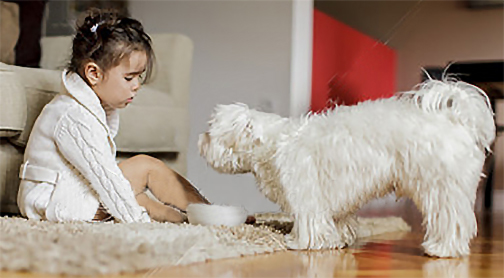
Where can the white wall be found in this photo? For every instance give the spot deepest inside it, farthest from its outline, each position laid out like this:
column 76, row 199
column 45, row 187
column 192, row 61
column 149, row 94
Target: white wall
column 443, row 31
column 242, row 54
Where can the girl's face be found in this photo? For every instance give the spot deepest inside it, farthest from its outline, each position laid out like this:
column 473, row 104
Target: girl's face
column 117, row 87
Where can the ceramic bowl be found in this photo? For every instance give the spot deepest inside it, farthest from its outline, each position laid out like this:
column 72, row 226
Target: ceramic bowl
column 209, row 215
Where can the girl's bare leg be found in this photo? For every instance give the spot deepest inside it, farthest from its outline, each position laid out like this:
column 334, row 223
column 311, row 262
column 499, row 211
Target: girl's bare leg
column 146, row 172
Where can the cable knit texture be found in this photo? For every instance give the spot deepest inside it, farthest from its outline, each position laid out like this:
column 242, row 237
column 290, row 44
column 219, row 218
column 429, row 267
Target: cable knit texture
column 74, row 136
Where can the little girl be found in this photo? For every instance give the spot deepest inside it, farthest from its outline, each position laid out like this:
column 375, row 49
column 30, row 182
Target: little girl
column 70, row 171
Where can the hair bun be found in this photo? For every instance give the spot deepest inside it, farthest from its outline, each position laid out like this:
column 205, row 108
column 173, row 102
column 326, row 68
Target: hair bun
column 104, row 36
column 96, row 19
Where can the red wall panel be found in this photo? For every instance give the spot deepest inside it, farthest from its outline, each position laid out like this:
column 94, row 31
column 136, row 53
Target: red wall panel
column 348, row 66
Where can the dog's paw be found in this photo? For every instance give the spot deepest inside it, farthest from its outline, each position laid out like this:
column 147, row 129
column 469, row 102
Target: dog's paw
column 333, row 243
column 445, row 251
column 324, row 242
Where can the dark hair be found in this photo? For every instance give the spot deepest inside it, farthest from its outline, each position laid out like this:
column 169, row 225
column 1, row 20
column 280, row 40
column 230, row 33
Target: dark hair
column 105, row 37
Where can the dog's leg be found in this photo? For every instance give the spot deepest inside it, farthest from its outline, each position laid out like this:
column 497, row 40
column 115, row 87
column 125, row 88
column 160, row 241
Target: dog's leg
column 449, row 218
column 314, row 225
column 308, row 199
column 314, row 231
column 346, row 229
column 320, row 231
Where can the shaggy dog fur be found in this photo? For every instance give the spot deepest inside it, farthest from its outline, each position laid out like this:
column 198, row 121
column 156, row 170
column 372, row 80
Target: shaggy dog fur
column 427, row 144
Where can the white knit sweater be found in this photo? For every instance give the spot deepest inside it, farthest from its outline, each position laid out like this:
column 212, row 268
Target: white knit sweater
column 69, row 164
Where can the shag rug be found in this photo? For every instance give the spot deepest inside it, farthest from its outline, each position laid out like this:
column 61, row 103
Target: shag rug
column 108, row 248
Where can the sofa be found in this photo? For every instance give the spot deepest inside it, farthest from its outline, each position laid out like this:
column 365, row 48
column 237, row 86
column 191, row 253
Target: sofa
column 156, row 123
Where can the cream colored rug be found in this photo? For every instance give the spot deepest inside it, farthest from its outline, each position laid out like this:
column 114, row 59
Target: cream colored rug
column 106, row 248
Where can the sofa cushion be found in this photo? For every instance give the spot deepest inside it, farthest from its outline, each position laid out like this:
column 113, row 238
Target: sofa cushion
column 11, row 159
column 162, row 127
column 12, row 104
column 40, row 86
column 56, row 52
column 173, row 63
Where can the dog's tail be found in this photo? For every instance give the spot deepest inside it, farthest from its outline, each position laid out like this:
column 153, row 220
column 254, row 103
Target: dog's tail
column 462, row 102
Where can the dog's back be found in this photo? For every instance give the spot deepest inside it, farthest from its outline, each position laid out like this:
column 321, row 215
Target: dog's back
column 437, row 110
column 463, row 103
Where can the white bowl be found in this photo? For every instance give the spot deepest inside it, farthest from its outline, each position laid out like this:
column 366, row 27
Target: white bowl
column 216, row 215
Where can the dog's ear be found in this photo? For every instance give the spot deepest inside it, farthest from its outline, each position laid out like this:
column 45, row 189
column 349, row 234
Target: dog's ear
column 232, row 123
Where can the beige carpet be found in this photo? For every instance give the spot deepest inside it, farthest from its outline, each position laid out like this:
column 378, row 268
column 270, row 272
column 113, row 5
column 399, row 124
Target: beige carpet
column 106, row 248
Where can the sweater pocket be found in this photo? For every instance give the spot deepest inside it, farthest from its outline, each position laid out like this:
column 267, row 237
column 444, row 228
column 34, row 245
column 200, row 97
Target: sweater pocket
column 33, row 198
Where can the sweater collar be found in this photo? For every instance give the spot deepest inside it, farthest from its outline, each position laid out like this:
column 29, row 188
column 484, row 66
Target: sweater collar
column 77, row 88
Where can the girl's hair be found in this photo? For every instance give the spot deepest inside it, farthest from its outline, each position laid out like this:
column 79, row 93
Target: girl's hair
column 105, row 37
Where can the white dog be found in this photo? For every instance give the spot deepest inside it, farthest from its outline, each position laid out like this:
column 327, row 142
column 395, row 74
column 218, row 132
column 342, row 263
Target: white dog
column 428, row 144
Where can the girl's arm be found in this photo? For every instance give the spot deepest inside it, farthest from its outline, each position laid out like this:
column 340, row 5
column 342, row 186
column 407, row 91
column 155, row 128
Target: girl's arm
column 88, row 150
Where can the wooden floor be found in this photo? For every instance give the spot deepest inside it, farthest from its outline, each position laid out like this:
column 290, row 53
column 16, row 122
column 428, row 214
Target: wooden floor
column 387, row 255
